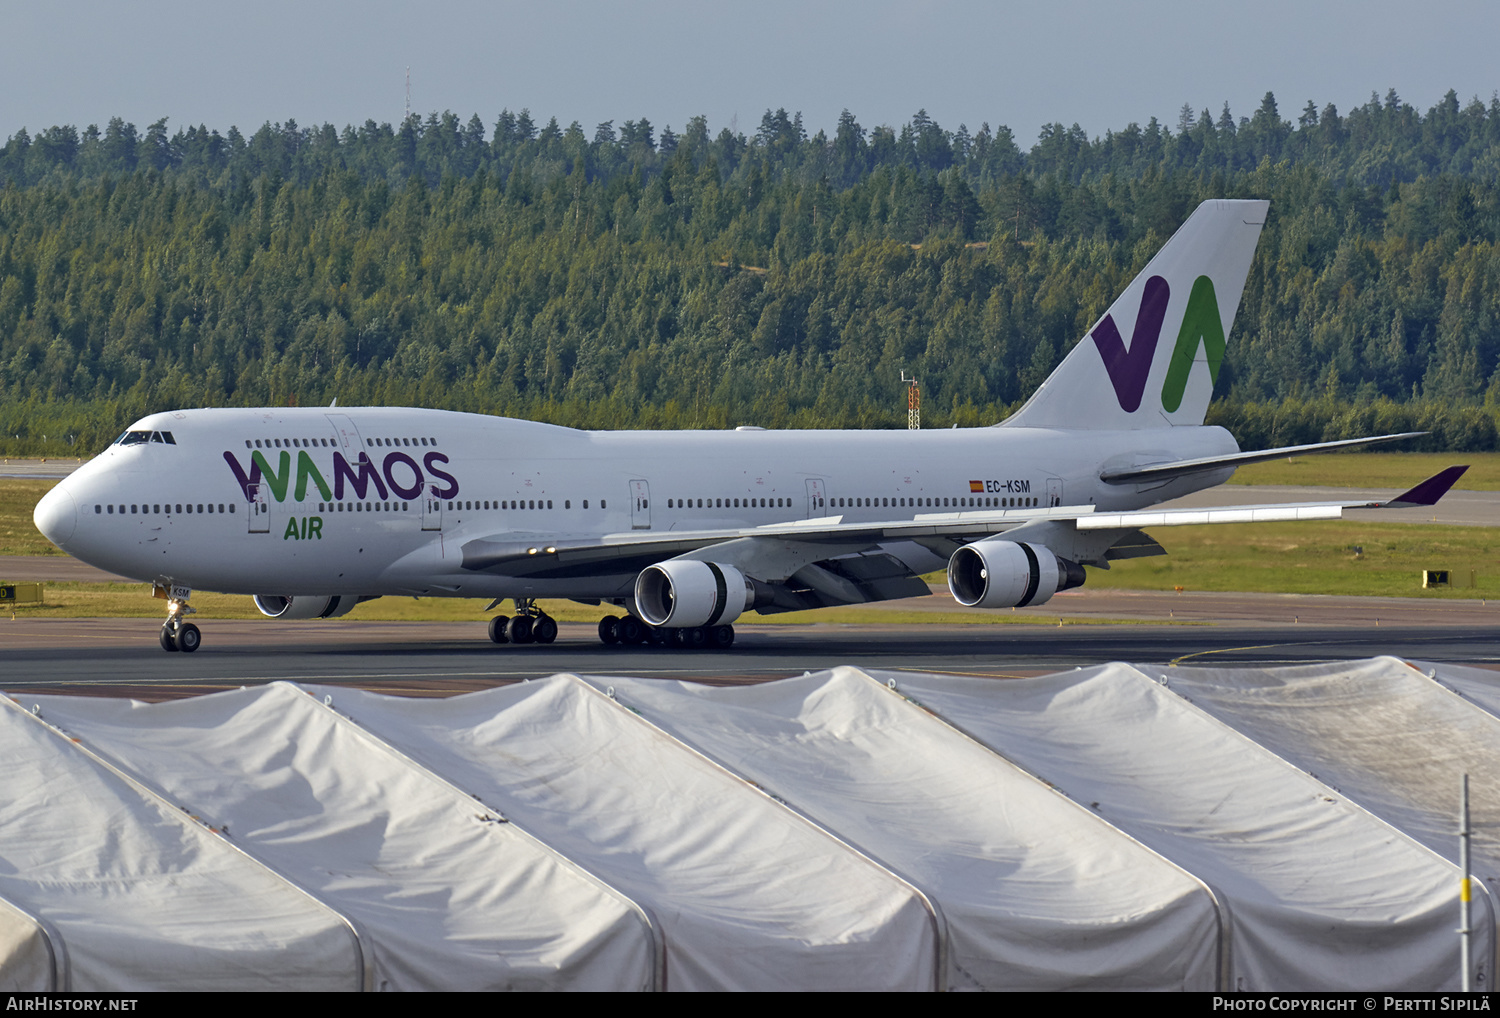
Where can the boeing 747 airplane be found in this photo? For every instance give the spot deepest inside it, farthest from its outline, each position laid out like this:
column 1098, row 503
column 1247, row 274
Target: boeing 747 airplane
column 313, row 510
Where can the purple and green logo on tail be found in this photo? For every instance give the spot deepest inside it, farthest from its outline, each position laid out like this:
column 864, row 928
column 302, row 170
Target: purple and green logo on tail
column 1128, row 369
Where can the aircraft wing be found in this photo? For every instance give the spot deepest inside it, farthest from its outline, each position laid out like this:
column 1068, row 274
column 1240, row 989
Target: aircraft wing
column 1426, row 493
column 779, row 549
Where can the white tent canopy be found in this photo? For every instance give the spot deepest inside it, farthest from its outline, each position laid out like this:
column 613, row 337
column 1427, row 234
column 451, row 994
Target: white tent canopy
column 1319, row 894
column 747, row 893
column 1037, row 893
column 109, row 888
column 1242, row 829
column 1382, row 733
column 446, row 896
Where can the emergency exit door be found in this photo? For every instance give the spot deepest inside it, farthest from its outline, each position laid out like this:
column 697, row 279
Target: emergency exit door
column 640, row 505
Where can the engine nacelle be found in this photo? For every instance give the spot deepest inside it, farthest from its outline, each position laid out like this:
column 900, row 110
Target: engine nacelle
column 1008, row 574
column 321, row 606
column 680, row 593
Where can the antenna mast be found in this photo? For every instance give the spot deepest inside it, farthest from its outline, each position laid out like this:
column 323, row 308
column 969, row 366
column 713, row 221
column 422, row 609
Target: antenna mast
column 408, row 93
column 913, row 403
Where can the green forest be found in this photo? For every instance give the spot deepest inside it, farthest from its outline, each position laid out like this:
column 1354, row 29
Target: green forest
column 627, row 276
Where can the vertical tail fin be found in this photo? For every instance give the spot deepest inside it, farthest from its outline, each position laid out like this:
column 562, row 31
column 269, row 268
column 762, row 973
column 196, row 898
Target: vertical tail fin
column 1177, row 315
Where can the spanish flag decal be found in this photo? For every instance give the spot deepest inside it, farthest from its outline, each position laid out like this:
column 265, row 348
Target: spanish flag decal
column 976, row 487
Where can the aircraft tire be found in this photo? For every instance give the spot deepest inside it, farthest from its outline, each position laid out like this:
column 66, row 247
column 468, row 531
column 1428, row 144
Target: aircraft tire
column 544, row 629
column 674, row 638
column 632, row 631
column 519, row 629
column 497, row 629
column 721, row 637
column 609, row 630
column 168, row 640
column 695, row 637
column 189, row 638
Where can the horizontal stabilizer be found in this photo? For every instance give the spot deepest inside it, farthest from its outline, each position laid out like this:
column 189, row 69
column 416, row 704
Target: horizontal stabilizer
column 1179, row 468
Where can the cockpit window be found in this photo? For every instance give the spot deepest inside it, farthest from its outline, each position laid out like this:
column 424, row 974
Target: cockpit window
column 142, row 437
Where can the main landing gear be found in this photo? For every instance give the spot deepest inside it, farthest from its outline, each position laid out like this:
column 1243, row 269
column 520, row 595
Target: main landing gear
column 632, row 632
column 530, row 625
column 177, row 634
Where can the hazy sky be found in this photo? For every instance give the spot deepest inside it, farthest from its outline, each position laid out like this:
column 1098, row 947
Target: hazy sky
column 1100, row 64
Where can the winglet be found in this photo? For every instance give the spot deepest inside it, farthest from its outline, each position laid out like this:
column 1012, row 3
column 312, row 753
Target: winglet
column 1429, row 491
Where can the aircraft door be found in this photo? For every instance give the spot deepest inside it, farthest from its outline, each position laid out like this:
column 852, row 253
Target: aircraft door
column 260, row 509
column 640, row 505
column 432, row 510
column 1054, row 491
column 817, row 504
column 348, row 434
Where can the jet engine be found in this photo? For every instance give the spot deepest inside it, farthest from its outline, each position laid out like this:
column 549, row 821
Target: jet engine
column 321, row 606
column 1008, row 574
column 680, row 593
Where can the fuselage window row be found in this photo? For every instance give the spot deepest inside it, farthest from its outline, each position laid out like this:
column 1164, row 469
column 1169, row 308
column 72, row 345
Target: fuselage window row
column 529, row 504
column 158, row 509
column 854, row 503
column 302, row 443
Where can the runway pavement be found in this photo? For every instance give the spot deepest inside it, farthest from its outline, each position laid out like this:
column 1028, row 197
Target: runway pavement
column 43, row 468
column 120, row 657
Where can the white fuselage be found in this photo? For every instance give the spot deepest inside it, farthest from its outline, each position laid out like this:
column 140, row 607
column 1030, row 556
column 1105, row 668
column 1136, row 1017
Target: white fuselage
column 374, row 501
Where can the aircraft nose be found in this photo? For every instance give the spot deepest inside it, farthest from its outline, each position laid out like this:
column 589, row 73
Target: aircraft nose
column 56, row 515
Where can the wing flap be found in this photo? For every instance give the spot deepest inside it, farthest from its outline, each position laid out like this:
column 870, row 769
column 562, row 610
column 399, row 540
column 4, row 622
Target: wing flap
column 1225, row 514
